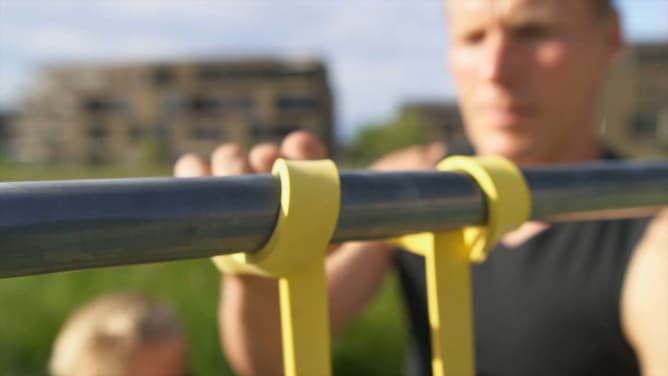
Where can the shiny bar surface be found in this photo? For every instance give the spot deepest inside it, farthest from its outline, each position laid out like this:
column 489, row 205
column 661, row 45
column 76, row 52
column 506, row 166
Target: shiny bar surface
column 67, row 225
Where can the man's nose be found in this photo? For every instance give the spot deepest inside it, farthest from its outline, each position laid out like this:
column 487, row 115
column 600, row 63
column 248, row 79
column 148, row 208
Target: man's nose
column 497, row 62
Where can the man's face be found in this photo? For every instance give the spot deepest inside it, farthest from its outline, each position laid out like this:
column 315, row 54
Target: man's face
column 529, row 73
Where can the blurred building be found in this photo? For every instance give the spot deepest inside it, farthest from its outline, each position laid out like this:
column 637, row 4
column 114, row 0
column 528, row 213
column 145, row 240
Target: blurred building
column 636, row 111
column 7, row 119
column 443, row 120
column 112, row 113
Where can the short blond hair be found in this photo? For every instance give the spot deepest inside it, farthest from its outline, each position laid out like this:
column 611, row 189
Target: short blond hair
column 101, row 336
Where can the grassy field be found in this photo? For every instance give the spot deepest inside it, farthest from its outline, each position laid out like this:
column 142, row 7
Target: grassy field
column 33, row 308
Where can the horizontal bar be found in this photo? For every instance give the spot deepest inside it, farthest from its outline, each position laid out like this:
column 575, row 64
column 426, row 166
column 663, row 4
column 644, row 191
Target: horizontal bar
column 66, row 225
column 600, row 186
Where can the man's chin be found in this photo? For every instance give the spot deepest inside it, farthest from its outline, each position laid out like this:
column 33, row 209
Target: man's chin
column 511, row 149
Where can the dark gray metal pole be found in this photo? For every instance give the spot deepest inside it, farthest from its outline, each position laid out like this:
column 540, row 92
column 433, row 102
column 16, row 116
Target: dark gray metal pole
column 66, row 225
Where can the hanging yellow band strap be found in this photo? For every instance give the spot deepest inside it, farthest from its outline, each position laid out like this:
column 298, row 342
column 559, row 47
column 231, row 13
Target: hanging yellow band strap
column 295, row 253
column 448, row 257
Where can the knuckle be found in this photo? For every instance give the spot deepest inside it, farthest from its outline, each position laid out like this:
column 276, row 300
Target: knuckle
column 262, row 157
column 190, row 165
column 228, row 151
column 188, row 159
column 302, row 144
column 229, row 159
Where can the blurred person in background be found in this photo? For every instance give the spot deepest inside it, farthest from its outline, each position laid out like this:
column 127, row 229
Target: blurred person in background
column 577, row 298
column 123, row 334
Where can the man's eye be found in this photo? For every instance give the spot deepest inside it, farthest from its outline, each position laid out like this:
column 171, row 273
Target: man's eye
column 473, row 37
column 531, row 32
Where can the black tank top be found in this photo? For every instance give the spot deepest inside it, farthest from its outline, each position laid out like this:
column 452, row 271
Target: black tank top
column 550, row 306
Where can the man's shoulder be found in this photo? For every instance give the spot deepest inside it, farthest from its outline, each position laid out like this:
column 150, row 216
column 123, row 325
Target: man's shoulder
column 645, row 297
column 660, row 225
column 655, row 236
column 648, row 232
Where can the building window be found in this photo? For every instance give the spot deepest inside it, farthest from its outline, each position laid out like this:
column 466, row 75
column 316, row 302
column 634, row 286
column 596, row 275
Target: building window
column 245, row 104
column 657, row 54
column 95, row 158
column 97, row 132
column 121, row 104
column 162, row 76
column 173, row 103
column 310, row 74
column 262, row 133
column 210, row 74
column 202, row 104
column 226, row 73
column 136, row 132
column 644, row 125
column 93, row 105
column 218, row 73
column 296, row 103
column 205, row 133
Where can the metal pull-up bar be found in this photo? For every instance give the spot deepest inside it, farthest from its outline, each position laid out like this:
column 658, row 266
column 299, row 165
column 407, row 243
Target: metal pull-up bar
column 279, row 225
column 50, row 226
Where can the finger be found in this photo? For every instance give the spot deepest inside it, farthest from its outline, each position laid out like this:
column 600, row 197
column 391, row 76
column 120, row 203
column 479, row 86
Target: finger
column 302, row 145
column 263, row 156
column 436, row 151
column 191, row 165
column 230, row 159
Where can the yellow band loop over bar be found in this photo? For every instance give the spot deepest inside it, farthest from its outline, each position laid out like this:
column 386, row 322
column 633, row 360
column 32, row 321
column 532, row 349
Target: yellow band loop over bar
column 310, row 202
column 508, row 204
column 448, row 257
column 508, row 199
column 295, row 253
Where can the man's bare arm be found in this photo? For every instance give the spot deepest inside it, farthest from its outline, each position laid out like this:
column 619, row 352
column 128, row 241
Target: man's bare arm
column 645, row 298
column 249, row 314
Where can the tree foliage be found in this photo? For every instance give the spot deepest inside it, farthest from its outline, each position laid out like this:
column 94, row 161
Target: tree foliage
column 377, row 139
column 152, row 151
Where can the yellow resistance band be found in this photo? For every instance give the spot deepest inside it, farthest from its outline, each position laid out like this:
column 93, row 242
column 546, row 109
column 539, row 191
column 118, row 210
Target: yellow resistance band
column 295, row 253
column 448, row 257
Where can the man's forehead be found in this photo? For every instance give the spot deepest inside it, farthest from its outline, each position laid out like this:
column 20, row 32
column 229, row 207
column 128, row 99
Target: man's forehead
column 466, row 12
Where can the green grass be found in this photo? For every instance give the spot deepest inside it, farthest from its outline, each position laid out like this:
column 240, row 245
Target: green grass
column 18, row 172
column 33, row 308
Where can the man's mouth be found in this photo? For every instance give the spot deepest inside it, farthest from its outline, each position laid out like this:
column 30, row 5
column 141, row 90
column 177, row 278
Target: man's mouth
column 507, row 116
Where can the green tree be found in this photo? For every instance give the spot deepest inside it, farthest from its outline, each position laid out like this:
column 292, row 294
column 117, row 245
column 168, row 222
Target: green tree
column 377, row 139
column 152, row 151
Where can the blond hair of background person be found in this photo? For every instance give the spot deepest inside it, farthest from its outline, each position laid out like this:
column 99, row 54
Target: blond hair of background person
column 123, row 334
column 530, row 75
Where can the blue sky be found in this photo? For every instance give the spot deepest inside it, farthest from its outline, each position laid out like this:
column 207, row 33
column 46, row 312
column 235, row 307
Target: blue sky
column 380, row 52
